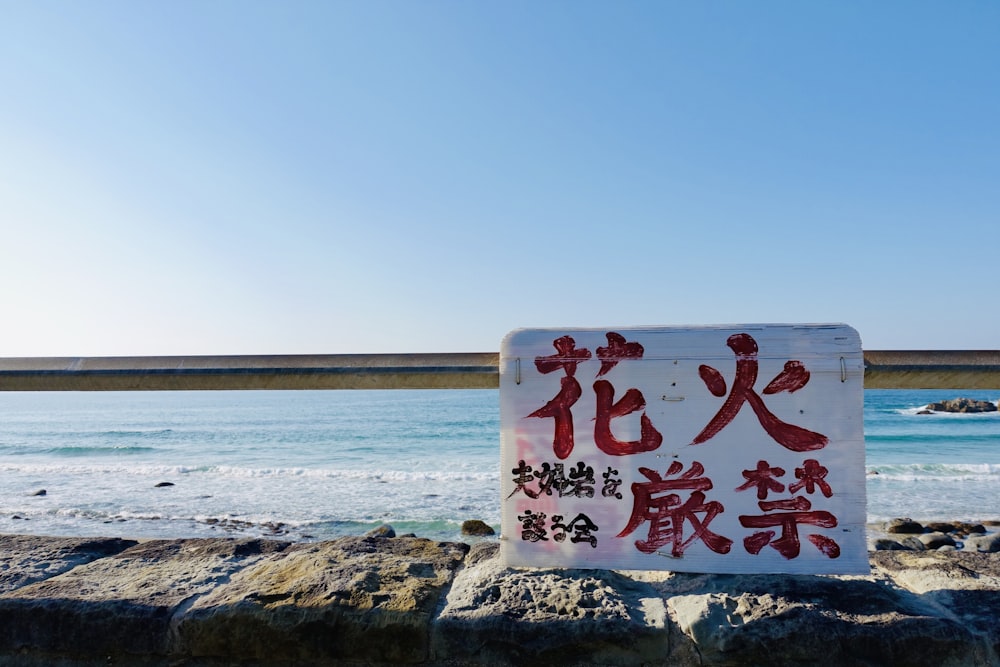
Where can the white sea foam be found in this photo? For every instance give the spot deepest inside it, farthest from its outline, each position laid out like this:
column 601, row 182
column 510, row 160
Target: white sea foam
column 242, row 472
column 328, row 463
column 936, row 471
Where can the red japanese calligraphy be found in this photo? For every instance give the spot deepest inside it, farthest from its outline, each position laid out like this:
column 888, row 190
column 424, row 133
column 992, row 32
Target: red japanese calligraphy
column 618, row 348
column 811, row 475
column 566, row 358
column 667, row 515
column 631, row 401
column 764, row 479
column 788, row 544
column 826, row 546
column 559, row 409
column 792, row 378
column 607, row 409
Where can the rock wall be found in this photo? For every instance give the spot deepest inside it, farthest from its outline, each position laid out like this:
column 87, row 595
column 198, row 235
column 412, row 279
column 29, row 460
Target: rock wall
column 405, row 600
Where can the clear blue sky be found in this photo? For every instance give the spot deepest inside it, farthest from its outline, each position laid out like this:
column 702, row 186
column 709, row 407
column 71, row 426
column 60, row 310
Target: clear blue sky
column 337, row 177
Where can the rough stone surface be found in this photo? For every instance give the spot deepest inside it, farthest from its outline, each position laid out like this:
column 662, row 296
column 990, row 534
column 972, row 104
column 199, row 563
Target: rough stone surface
column 364, row 600
column 956, row 527
column 966, row 586
column 388, row 601
column 120, row 605
column 987, row 543
column 936, row 540
column 801, row 620
column 887, row 544
column 25, row 559
column 502, row 616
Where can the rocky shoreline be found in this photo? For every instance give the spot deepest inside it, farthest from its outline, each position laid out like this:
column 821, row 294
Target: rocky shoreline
column 385, row 600
column 905, row 534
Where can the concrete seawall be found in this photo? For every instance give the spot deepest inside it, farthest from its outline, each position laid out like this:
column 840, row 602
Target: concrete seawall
column 406, row 600
column 887, row 369
column 287, row 372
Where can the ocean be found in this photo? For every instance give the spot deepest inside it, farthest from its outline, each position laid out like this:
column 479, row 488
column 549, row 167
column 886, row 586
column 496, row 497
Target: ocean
column 312, row 465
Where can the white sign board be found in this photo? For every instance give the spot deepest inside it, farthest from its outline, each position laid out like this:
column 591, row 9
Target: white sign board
column 707, row 449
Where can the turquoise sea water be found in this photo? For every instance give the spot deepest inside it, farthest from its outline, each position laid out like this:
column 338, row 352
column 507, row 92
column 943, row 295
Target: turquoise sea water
column 939, row 466
column 317, row 464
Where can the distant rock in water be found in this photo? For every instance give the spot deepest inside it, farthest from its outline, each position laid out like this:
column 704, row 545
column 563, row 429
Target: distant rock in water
column 477, row 527
column 385, row 530
column 961, row 405
column 164, row 484
column 40, row 492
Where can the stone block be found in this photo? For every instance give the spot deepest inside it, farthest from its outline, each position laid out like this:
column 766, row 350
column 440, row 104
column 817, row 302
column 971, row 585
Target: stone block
column 119, row 607
column 807, row 620
column 360, row 600
column 503, row 616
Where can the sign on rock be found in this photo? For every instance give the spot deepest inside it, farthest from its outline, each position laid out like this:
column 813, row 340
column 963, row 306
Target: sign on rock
column 707, row 449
